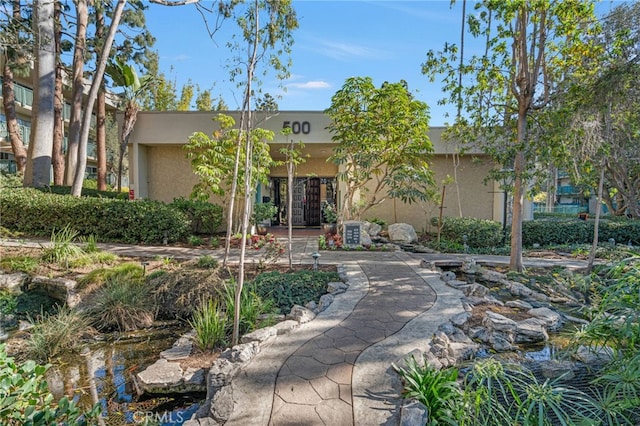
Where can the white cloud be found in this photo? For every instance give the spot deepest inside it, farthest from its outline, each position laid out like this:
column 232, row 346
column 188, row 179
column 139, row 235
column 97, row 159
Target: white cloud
column 347, row 51
column 317, row 84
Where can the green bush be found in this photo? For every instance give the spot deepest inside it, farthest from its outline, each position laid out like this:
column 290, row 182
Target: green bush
column 88, row 190
column 209, row 323
column 548, row 232
column 25, row 398
column 55, row 334
column 479, row 232
column 294, row 288
column 252, row 305
column 37, row 213
column 124, row 303
column 205, row 218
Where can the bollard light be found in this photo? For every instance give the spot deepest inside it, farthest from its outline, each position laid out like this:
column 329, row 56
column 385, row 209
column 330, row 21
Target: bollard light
column 144, row 264
column 316, row 257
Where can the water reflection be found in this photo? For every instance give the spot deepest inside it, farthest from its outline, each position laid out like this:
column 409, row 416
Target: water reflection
column 103, row 373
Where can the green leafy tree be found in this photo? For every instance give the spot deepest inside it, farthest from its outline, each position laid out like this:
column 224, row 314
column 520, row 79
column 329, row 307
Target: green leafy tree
column 204, row 101
column 382, row 144
column 529, row 47
column 184, row 103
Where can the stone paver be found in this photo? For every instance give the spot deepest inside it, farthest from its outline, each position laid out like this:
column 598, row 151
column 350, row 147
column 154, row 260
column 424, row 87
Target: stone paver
column 319, row 373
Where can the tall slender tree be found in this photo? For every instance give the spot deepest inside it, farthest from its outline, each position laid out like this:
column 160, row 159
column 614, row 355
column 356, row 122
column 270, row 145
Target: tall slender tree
column 16, row 43
column 37, row 171
column 529, row 46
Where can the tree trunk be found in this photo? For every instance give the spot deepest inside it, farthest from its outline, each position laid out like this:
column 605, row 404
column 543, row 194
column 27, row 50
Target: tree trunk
column 101, row 117
column 596, row 223
column 515, row 262
column 58, row 129
column 38, row 169
column 290, row 171
column 73, row 139
column 101, row 140
column 9, row 103
column 76, row 190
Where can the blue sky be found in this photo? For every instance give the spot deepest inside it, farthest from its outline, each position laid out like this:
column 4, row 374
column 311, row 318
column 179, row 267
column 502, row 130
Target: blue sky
column 384, row 40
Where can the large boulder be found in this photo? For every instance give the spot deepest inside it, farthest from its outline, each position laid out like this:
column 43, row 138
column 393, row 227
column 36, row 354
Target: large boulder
column 402, row 233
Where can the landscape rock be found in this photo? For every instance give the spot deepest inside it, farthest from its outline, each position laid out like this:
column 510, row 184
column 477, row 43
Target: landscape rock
column 531, row 330
column 301, row 314
column 325, row 301
column 552, row 319
column 336, row 287
column 519, row 304
column 414, row 413
column 449, row 276
column 261, row 335
column 60, row 289
column 402, row 232
column 475, row 290
column 13, row 281
column 243, row 352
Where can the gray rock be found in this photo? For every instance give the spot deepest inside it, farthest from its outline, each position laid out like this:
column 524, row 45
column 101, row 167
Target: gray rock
column 336, row 287
column 591, row 356
column 531, row 330
column 204, row 421
column 301, row 314
column 552, row 319
column 164, row 377
column 501, row 342
column 262, row 335
column 475, row 290
column 460, row 319
column 60, row 289
column 414, row 413
column 521, row 290
column 311, row 305
column 222, row 404
column 448, row 276
column 365, row 238
column 402, row 232
column 519, row 304
column 243, row 352
column 13, row 281
column 373, row 229
column 177, row 352
column 325, row 301
column 222, row 372
column 496, row 322
column 553, row 369
column 286, row 326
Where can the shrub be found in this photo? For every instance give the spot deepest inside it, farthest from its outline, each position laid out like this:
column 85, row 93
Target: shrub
column 438, row 390
column 54, row 334
column 62, row 249
column 195, row 241
column 37, row 213
column 8, row 301
column 207, row 262
column 573, row 231
column 25, row 398
column 123, row 304
column 293, row 288
column 479, row 232
column 24, row 264
column 89, row 189
column 252, row 305
column 205, row 217
column 209, row 323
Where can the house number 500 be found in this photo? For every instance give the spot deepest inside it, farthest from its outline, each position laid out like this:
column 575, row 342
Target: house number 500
column 297, row 127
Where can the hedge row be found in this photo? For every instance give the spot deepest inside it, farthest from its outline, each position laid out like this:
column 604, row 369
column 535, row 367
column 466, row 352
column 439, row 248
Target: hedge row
column 479, row 232
column 545, row 232
column 36, row 213
column 574, row 231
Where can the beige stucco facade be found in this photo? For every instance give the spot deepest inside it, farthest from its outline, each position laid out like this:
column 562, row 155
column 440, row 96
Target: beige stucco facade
column 159, row 169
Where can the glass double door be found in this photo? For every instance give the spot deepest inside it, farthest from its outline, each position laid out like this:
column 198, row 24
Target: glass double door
column 308, row 196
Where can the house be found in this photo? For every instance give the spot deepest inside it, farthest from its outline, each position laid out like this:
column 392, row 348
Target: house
column 159, row 169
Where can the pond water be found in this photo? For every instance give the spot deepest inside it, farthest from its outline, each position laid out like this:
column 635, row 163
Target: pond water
column 103, row 373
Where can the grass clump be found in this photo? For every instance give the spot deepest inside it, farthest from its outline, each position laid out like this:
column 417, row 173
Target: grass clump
column 56, row 333
column 293, row 288
column 62, row 249
column 210, row 324
column 252, row 306
column 123, row 303
column 207, row 262
column 26, row 264
column 8, row 301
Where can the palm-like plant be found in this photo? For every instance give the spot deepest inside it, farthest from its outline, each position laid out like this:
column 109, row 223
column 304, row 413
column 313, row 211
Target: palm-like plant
column 125, row 76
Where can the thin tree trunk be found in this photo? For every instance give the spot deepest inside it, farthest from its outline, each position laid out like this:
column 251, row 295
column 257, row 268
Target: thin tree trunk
column 596, row 223
column 9, row 103
column 101, row 117
column 290, row 171
column 38, row 169
column 58, row 128
column 73, row 139
column 247, row 180
column 516, row 262
column 93, row 93
column 101, row 140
